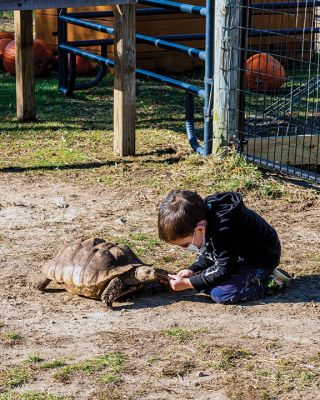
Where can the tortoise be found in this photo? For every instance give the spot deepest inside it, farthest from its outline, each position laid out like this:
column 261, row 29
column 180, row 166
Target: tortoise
column 98, row 269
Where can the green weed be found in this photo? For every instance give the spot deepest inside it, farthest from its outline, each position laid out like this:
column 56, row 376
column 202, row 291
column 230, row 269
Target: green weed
column 15, row 376
column 31, row 395
column 11, row 338
column 109, row 378
column 34, row 358
column 179, row 333
column 111, row 361
column 229, row 356
column 53, row 364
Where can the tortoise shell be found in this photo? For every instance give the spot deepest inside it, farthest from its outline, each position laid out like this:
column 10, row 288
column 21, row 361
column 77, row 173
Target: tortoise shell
column 85, row 267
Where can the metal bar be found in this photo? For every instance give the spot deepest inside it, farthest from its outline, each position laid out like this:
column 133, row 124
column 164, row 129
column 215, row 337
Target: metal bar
column 99, row 76
column 285, row 5
column 152, row 75
column 193, row 141
column 139, row 12
column 93, row 42
column 282, row 168
column 86, row 24
column 98, row 42
column 208, row 78
column 43, row 4
column 253, row 32
column 185, row 8
column 190, row 51
column 184, row 36
column 62, row 55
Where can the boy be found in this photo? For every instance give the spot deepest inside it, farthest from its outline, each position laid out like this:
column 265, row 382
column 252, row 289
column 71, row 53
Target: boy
column 238, row 251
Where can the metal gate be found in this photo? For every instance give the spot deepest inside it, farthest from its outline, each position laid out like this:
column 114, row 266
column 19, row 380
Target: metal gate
column 279, row 97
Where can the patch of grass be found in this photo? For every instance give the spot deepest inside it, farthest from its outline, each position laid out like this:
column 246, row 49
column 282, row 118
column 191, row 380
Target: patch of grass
column 31, row 395
column 53, row 364
column 68, row 138
column 2, row 324
column 15, row 336
column 306, row 376
column 34, row 358
column 140, row 242
column 178, row 368
column 110, row 361
column 149, row 242
column 109, row 378
column 15, row 376
column 11, row 338
column 228, row 357
column 179, row 333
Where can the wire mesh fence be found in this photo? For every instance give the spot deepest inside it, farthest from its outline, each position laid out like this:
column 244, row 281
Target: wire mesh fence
column 280, row 93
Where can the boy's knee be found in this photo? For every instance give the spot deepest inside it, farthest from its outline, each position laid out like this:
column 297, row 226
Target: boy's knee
column 222, row 296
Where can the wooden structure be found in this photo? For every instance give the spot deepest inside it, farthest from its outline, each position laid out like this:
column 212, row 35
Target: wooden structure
column 148, row 57
column 288, row 46
column 290, row 150
column 124, row 83
column 152, row 58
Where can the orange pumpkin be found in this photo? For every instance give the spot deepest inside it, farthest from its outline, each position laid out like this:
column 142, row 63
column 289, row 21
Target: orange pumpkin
column 6, row 35
column 3, row 44
column 41, row 59
column 264, row 72
column 47, row 47
column 83, row 65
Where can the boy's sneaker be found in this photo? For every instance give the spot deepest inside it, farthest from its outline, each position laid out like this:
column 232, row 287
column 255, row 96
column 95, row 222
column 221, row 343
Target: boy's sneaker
column 277, row 281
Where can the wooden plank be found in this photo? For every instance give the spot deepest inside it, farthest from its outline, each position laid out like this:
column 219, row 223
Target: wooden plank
column 292, row 150
column 25, row 88
column 124, row 80
column 41, row 4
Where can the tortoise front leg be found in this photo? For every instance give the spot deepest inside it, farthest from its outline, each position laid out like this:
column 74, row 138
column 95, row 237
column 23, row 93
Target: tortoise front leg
column 112, row 291
column 42, row 284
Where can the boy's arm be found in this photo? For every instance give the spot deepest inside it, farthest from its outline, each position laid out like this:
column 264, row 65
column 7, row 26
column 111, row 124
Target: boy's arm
column 224, row 257
column 214, row 273
column 201, row 264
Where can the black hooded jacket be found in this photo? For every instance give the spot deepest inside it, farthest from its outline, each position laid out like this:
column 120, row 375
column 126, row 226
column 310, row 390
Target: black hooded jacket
column 235, row 235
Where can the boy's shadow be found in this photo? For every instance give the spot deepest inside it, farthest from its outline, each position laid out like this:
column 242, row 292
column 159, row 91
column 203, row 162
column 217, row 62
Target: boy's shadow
column 304, row 289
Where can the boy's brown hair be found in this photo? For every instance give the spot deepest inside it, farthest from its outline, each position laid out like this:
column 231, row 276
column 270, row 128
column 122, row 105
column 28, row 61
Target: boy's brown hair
column 179, row 214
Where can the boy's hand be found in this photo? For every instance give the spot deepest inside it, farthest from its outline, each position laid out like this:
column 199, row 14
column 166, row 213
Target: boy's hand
column 185, row 273
column 178, row 283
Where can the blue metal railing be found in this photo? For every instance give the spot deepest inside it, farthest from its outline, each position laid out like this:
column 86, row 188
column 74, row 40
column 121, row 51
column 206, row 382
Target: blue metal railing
column 67, row 81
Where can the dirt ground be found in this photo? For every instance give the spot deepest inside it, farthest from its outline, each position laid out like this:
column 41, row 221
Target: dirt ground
column 174, row 345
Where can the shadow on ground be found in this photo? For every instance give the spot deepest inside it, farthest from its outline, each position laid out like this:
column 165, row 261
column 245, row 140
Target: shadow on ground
column 304, row 289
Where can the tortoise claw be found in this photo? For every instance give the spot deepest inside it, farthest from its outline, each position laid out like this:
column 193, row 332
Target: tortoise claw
column 109, row 306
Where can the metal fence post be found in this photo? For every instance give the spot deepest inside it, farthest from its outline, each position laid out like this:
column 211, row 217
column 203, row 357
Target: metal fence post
column 227, row 74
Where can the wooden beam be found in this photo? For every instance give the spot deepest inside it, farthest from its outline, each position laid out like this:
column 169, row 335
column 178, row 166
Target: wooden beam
column 227, row 75
column 292, row 150
column 25, row 86
column 42, row 4
column 124, row 80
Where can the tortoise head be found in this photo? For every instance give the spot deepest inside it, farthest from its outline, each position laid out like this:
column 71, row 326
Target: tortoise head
column 146, row 273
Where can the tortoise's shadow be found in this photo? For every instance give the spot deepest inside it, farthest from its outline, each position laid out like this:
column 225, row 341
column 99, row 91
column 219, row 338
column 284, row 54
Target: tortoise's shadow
column 157, row 297
column 54, row 290
column 304, row 289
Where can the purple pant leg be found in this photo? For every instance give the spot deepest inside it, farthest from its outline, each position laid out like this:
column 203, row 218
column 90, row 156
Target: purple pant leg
column 248, row 283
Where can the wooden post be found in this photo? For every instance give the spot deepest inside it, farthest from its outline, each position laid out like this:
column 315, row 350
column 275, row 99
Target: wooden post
column 25, row 85
column 227, row 74
column 124, row 80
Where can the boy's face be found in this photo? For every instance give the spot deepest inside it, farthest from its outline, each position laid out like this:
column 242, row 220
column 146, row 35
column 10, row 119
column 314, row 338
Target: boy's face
column 196, row 238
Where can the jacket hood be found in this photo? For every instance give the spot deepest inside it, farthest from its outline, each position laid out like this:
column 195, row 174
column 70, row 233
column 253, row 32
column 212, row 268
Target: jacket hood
column 224, row 204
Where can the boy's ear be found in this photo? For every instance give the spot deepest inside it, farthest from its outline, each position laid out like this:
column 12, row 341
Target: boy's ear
column 201, row 224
